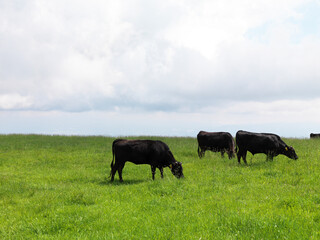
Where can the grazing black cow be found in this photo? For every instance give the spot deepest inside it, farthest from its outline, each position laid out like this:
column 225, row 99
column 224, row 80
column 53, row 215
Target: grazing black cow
column 155, row 153
column 215, row 142
column 267, row 143
column 314, row 135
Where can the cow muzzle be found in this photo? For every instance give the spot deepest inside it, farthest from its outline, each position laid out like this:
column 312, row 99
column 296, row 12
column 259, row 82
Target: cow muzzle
column 181, row 176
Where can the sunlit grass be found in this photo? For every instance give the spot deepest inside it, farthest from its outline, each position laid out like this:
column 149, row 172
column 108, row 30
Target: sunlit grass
column 57, row 187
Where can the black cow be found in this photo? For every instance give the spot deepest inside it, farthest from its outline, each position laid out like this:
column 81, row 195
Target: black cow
column 215, row 142
column 155, row 153
column 314, row 135
column 267, row 143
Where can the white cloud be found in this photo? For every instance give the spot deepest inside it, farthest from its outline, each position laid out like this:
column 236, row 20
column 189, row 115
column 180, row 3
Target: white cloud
column 279, row 111
column 207, row 24
column 15, row 101
column 149, row 56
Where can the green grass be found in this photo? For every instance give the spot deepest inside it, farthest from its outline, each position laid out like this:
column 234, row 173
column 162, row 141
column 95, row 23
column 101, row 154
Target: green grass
column 57, row 187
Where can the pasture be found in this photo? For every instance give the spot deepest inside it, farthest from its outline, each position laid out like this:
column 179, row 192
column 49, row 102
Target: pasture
column 57, row 187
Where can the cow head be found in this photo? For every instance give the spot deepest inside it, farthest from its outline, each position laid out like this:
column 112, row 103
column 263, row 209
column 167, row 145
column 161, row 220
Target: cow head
column 176, row 169
column 290, row 152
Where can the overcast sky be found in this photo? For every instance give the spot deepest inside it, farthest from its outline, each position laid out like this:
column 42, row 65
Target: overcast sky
column 170, row 67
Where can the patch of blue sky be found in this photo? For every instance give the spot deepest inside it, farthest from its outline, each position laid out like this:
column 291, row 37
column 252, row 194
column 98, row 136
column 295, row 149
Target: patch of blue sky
column 307, row 24
column 259, row 33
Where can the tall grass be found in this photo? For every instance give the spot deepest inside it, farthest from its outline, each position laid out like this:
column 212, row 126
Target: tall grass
column 57, row 187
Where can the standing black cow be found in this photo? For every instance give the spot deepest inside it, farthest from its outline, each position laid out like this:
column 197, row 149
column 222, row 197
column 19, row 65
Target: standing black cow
column 155, row 153
column 267, row 143
column 215, row 142
column 314, row 135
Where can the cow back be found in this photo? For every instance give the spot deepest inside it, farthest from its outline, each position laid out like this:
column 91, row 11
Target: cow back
column 218, row 140
column 314, row 135
column 258, row 142
column 143, row 152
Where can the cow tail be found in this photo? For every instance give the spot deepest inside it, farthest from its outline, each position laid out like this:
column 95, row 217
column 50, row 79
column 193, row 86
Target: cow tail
column 198, row 151
column 236, row 140
column 112, row 162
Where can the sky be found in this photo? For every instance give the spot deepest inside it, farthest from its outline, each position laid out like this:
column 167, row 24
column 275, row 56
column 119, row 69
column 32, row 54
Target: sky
column 164, row 68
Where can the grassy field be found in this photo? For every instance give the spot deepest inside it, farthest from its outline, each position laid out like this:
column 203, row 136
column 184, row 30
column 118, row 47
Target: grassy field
column 57, row 187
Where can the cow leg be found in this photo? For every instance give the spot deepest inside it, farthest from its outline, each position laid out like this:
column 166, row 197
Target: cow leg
column 242, row 154
column 222, row 153
column 114, row 169
column 161, row 171
column 113, row 172
column 244, row 157
column 120, row 172
column 153, row 170
column 269, row 157
column 201, row 153
column 239, row 155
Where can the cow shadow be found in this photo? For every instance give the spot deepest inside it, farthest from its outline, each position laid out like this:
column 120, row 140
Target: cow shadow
column 254, row 164
column 116, row 182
